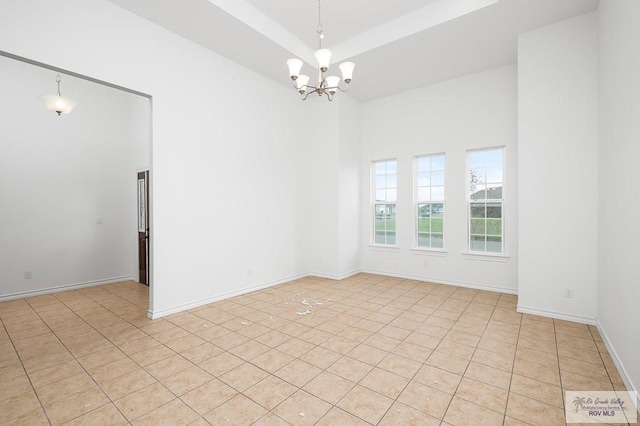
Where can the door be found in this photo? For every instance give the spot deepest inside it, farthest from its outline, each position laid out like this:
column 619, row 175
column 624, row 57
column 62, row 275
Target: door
column 143, row 226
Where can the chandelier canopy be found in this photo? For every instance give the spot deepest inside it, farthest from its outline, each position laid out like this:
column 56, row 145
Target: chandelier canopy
column 326, row 85
column 57, row 102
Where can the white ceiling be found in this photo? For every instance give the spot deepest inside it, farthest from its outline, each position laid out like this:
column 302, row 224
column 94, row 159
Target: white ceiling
column 342, row 19
column 396, row 45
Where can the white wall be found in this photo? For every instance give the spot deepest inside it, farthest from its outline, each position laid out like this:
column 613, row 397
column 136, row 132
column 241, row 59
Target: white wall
column 329, row 172
column 350, row 216
column 318, row 174
column 619, row 151
column 558, row 169
column 474, row 111
column 59, row 175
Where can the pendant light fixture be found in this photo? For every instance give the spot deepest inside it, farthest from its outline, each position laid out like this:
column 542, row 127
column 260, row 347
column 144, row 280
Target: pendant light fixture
column 326, row 85
column 57, row 102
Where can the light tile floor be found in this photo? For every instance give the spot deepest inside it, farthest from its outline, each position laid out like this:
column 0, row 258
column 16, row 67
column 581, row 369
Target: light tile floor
column 372, row 350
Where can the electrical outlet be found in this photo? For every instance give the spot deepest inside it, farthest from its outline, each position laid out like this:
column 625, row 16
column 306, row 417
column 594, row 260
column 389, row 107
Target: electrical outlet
column 249, row 272
column 98, row 221
column 425, row 262
column 568, row 293
column 28, row 275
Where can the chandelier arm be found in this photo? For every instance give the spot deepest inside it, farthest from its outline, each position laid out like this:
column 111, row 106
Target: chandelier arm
column 306, row 95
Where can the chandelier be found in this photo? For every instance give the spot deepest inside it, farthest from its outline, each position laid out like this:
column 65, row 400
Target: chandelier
column 57, row 102
column 326, row 85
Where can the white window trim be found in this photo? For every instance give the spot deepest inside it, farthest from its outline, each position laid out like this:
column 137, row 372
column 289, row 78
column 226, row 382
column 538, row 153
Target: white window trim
column 372, row 208
column 477, row 255
column 428, row 251
column 486, row 256
column 416, row 202
column 384, row 247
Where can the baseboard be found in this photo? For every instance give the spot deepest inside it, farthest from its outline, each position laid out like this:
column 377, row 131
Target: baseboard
column 65, row 287
column 441, row 281
column 616, row 360
column 556, row 315
column 333, row 276
column 153, row 314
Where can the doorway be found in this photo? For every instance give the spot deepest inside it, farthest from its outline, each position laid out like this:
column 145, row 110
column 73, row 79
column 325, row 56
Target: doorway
column 143, row 227
column 34, row 166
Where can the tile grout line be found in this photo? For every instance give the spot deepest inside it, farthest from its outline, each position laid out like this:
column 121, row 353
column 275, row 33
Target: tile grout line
column 513, row 366
column 81, row 365
column 33, row 389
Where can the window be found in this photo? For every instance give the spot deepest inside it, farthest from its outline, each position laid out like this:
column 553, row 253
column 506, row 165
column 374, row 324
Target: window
column 385, row 183
column 486, row 178
column 429, row 200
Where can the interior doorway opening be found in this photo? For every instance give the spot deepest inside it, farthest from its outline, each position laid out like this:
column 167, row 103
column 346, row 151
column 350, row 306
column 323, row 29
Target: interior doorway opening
column 71, row 204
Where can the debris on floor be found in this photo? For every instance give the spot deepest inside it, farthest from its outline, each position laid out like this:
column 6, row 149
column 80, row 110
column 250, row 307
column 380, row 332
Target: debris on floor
column 306, row 301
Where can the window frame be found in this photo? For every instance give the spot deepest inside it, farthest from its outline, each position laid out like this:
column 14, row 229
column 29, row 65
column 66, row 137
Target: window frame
column 374, row 203
column 501, row 201
column 417, row 201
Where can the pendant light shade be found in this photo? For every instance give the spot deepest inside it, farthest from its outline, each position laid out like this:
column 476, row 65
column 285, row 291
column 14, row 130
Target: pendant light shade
column 302, row 81
column 323, row 56
column 295, row 65
column 332, row 83
column 346, row 68
column 57, row 102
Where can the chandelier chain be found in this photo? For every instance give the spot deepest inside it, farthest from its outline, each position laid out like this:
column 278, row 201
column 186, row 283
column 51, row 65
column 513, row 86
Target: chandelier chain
column 320, row 30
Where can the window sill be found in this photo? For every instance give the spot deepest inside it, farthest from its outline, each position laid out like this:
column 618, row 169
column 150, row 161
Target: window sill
column 488, row 257
column 429, row 252
column 377, row 247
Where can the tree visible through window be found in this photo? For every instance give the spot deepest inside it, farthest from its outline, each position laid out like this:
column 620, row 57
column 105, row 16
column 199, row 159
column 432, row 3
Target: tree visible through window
column 385, row 193
column 429, row 200
column 486, row 179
